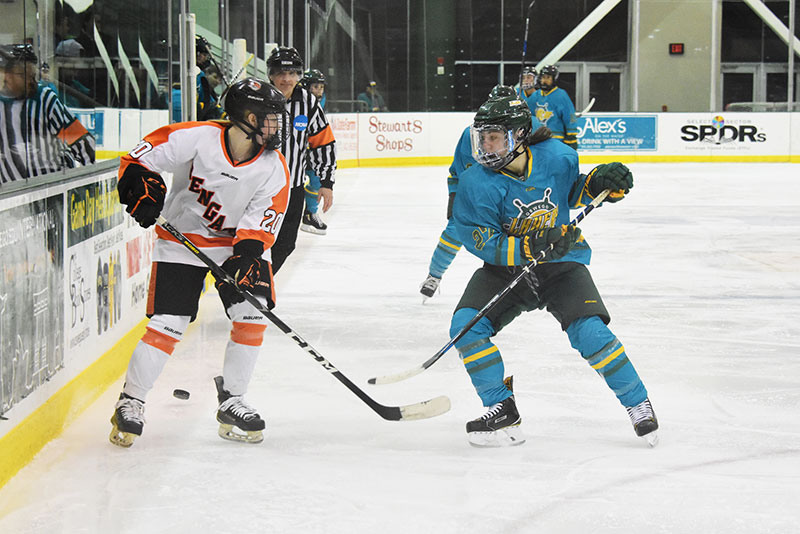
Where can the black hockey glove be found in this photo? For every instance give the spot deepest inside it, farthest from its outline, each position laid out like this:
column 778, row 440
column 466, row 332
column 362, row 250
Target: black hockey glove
column 250, row 272
column 614, row 176
column 450, row 202
column 555, row 242
column 143, row 191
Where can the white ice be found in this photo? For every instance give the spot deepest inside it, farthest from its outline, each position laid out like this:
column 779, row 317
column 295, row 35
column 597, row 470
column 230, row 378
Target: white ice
column 699, row 269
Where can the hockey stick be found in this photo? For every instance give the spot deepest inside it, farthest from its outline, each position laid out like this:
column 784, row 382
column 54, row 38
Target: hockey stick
column 420, row 410
column 525, row 43
column 586, row 109
column 390, row 379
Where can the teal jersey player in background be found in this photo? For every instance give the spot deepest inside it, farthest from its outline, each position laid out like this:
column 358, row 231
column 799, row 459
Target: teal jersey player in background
column 552, row 106
column 510, row 209
column 314, row 81
column 449, row 244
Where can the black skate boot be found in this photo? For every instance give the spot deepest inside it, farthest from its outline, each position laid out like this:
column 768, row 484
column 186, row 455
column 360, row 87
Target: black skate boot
column 429, row 287
column 498, row 427
column 127, row 421
column 312, row 223
column 233, row 414
column 644, row 421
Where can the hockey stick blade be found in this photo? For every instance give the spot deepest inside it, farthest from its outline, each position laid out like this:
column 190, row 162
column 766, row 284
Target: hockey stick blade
column 585, row 110
column 397, row 377
column 411, row 412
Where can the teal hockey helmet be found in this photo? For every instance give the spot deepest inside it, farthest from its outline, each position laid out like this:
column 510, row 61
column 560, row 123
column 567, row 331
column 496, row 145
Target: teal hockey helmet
column 500, row 127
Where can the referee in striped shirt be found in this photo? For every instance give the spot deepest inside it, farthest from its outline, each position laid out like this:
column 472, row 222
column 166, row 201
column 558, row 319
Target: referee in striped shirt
column 309, row 143
column 38, row 134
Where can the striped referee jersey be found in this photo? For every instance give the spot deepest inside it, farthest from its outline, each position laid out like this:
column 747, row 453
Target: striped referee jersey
column 39, row 135
column 310, row 142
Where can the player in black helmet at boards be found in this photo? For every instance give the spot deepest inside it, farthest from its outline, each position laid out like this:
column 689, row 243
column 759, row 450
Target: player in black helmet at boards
column 314, row 81
column 229, row 192
column 553, row 107
column 309, row 145
column 511, row 209
column 529, row 82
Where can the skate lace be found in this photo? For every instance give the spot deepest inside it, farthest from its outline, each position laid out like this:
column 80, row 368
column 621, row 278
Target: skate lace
column 640, row 412
column 132, row 410
column 239, row 408
column 493, row 411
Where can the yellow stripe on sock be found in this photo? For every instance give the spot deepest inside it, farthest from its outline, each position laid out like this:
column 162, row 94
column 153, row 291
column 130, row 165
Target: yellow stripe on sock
column 445, row 243
column 609, row 359
column 481, row 354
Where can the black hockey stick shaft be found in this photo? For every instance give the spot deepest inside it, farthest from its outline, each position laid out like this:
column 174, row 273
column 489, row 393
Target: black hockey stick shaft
column 525, row 42
column 487, row 308
column 391, row 413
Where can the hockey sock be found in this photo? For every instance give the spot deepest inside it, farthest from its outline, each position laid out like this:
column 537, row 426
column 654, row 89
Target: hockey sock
column 240, row 361
column 445, row 253
column 312, row 200
column 481, row 357
column 152, row 352
column 606, row 355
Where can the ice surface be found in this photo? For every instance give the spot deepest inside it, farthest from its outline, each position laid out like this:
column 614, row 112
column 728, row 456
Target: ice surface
column 699, row 269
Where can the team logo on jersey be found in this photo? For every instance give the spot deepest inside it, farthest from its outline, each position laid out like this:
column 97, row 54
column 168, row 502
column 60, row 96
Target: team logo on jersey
column 254, row 85
column 537, row 214
column 300, row 123
column 543, row 114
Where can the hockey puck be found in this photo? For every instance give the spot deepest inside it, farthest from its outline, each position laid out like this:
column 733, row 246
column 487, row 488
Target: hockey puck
column 180, row 394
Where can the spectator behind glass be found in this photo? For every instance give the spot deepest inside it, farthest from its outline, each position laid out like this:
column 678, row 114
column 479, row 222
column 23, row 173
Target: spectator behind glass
column 39, row 135
column 372, row 98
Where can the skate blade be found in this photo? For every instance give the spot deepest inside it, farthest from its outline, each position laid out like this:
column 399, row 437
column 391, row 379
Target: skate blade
column 233, row 433
column 651, row 438
column 121, row 439
column 505, row 437
column 312, row 230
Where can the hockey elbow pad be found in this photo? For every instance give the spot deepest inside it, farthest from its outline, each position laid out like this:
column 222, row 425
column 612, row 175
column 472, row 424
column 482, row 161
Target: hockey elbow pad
column 143, row 192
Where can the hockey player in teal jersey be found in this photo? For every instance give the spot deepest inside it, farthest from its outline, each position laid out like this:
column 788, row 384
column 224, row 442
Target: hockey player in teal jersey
column 553, row 107
column 509, row 209
column 449, row 245
column 314, row 81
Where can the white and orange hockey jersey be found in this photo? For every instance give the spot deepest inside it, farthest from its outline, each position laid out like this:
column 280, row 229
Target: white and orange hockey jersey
column 213, row 200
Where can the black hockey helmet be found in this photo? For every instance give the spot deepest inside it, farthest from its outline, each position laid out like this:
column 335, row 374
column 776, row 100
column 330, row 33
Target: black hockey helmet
column 252, row 95
column 499, row 91
column 551, row 70
column 507, row 116
column 284, row 58
column 312, row 76
column 17, row 53
column 201, row 46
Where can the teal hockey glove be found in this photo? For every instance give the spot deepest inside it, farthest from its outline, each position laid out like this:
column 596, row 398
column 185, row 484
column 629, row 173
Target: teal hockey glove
column 555, row 242
column 614, row 176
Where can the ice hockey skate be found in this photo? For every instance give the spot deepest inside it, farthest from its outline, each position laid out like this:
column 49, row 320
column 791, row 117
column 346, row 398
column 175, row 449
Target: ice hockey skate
column 644, row 421
column 429, row 287
column 237, row 420
column 498, row 427
column 127, row 421
column 312, row 223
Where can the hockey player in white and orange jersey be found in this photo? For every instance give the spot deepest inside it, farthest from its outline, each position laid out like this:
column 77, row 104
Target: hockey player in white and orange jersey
column 228, row 195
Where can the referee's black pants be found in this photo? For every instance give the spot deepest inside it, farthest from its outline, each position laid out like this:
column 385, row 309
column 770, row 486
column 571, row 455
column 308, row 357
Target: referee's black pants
column 287, row 237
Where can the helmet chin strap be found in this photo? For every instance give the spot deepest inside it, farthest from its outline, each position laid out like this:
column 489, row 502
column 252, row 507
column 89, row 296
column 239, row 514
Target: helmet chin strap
column 250, row 131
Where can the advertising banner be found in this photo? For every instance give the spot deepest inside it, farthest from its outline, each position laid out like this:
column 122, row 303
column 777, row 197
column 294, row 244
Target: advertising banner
column 345, row 130
column 618, row 132
column 31, row 297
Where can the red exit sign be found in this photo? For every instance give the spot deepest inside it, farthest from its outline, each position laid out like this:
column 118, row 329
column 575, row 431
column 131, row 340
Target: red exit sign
column 675, row 49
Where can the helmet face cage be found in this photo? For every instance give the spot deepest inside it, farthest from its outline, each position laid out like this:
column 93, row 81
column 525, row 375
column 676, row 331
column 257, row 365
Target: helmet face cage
column 550, row 70
column 493, row 145
column 528, row 84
